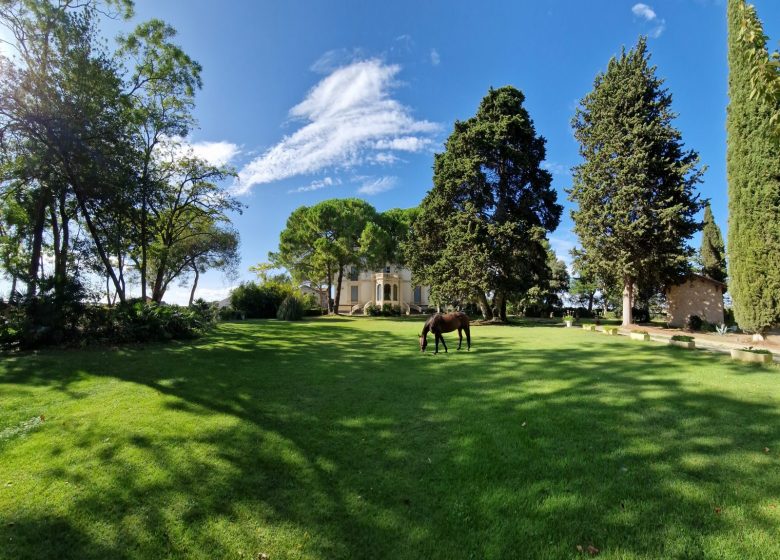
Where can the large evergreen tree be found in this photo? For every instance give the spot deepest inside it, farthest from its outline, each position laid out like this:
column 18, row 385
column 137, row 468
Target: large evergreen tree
column 712, row 253
column 753, row 168
column 635, row 189
column 482, row 226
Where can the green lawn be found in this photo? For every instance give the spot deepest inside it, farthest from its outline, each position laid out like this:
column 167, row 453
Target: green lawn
column 335, row 438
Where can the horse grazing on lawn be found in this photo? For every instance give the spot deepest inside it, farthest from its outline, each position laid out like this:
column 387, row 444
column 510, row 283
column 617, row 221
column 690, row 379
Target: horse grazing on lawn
column 440, row 323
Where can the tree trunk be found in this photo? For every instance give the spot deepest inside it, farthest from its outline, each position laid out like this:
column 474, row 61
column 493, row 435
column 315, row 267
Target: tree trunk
column 628, row 301
column 35, row 257
column 194, row 284
column 99, row 246
column 487, row 312
column 330, row 290
column 12, row 296
column 143, row 267
column 591, row 295
column 338, row 290
column 499, row 303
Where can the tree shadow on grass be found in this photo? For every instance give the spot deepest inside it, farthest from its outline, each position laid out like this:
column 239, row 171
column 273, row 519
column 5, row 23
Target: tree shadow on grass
column 345, row 442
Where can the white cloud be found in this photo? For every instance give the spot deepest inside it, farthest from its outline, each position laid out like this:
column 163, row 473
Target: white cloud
column 317, row 185
column 404, row 144
column 335, row 59
column 384, row 158
column 656, row 31
column 435, row 58
column 216, row 153
column 644, row 11
column 347, row 115
column 648, row 14
column 373, row 186
column 556, row 168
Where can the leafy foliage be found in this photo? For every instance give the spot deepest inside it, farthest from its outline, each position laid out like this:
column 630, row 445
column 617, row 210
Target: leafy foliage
column 634, row 190
column 259, row 301
column 481, row 228
column 753, row 170
column 712, row 253
column 291, row 309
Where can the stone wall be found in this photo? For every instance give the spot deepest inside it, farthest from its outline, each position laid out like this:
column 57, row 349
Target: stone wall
column 695, row 297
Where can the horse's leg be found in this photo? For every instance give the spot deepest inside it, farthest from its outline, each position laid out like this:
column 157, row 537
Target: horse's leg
column 443, row 343
column 460, row 338
column 468, row 336
column 436, row 339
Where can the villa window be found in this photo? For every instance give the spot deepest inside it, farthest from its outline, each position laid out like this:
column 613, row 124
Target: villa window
column 353, row 274
column 418, row 295
column 395, row 292
column 387, row 270
column 354, row 294
column 378, row 292
column 387, row 291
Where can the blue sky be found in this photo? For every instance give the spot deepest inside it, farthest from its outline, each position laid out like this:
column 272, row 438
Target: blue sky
column 313, row 100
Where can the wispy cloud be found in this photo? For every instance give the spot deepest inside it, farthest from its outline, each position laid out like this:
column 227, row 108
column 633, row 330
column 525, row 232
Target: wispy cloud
column 216, row 153
column 556, row 168
column 317, row 185
column 335, row 59
column 647, row 13
column 349, row 116
column 372, row 185
column 435, row 58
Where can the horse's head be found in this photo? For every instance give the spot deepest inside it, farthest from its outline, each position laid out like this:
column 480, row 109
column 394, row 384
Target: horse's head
column 423, row 342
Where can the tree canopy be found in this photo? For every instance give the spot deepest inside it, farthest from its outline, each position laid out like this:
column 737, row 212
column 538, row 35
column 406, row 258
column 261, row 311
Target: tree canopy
column 753, row 170
column 635, row 188
column 482, row 226
column 712, row 253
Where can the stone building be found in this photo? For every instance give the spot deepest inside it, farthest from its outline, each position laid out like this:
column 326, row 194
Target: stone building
column 696, row 295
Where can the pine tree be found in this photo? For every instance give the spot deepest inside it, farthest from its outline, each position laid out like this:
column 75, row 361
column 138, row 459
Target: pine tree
column 635, row 188
column 712, row 253
column 482, row 226
column 753, row 169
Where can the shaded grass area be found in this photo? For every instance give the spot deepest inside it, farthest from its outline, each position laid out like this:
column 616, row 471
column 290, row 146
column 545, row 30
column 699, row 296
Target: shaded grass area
column 336, row 438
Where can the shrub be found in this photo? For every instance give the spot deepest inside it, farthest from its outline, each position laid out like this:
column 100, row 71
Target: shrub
column 756, row 350
column 372, row 310
column 389, row 310
column 682, row 338
column 611, row 330
column 568, row 318
column 259, row 301
column 582, row 312
column 291, row 309
column 693, row 323
column 230, row 314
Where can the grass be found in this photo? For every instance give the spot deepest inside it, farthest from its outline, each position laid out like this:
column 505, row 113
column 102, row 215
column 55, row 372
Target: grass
column 335, row 438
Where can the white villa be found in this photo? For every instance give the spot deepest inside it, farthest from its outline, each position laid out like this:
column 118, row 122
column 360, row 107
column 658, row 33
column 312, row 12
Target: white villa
column 392, row 285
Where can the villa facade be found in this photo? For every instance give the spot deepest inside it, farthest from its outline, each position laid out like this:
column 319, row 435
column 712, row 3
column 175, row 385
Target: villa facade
column 391, row 285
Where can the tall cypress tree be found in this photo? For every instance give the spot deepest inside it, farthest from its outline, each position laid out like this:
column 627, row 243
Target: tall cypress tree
column 482, row 226
column 712, row 253
column 753, row 168
column 635, row 189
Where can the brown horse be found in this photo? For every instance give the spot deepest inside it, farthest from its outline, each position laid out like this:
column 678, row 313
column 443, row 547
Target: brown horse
column 440, row 323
